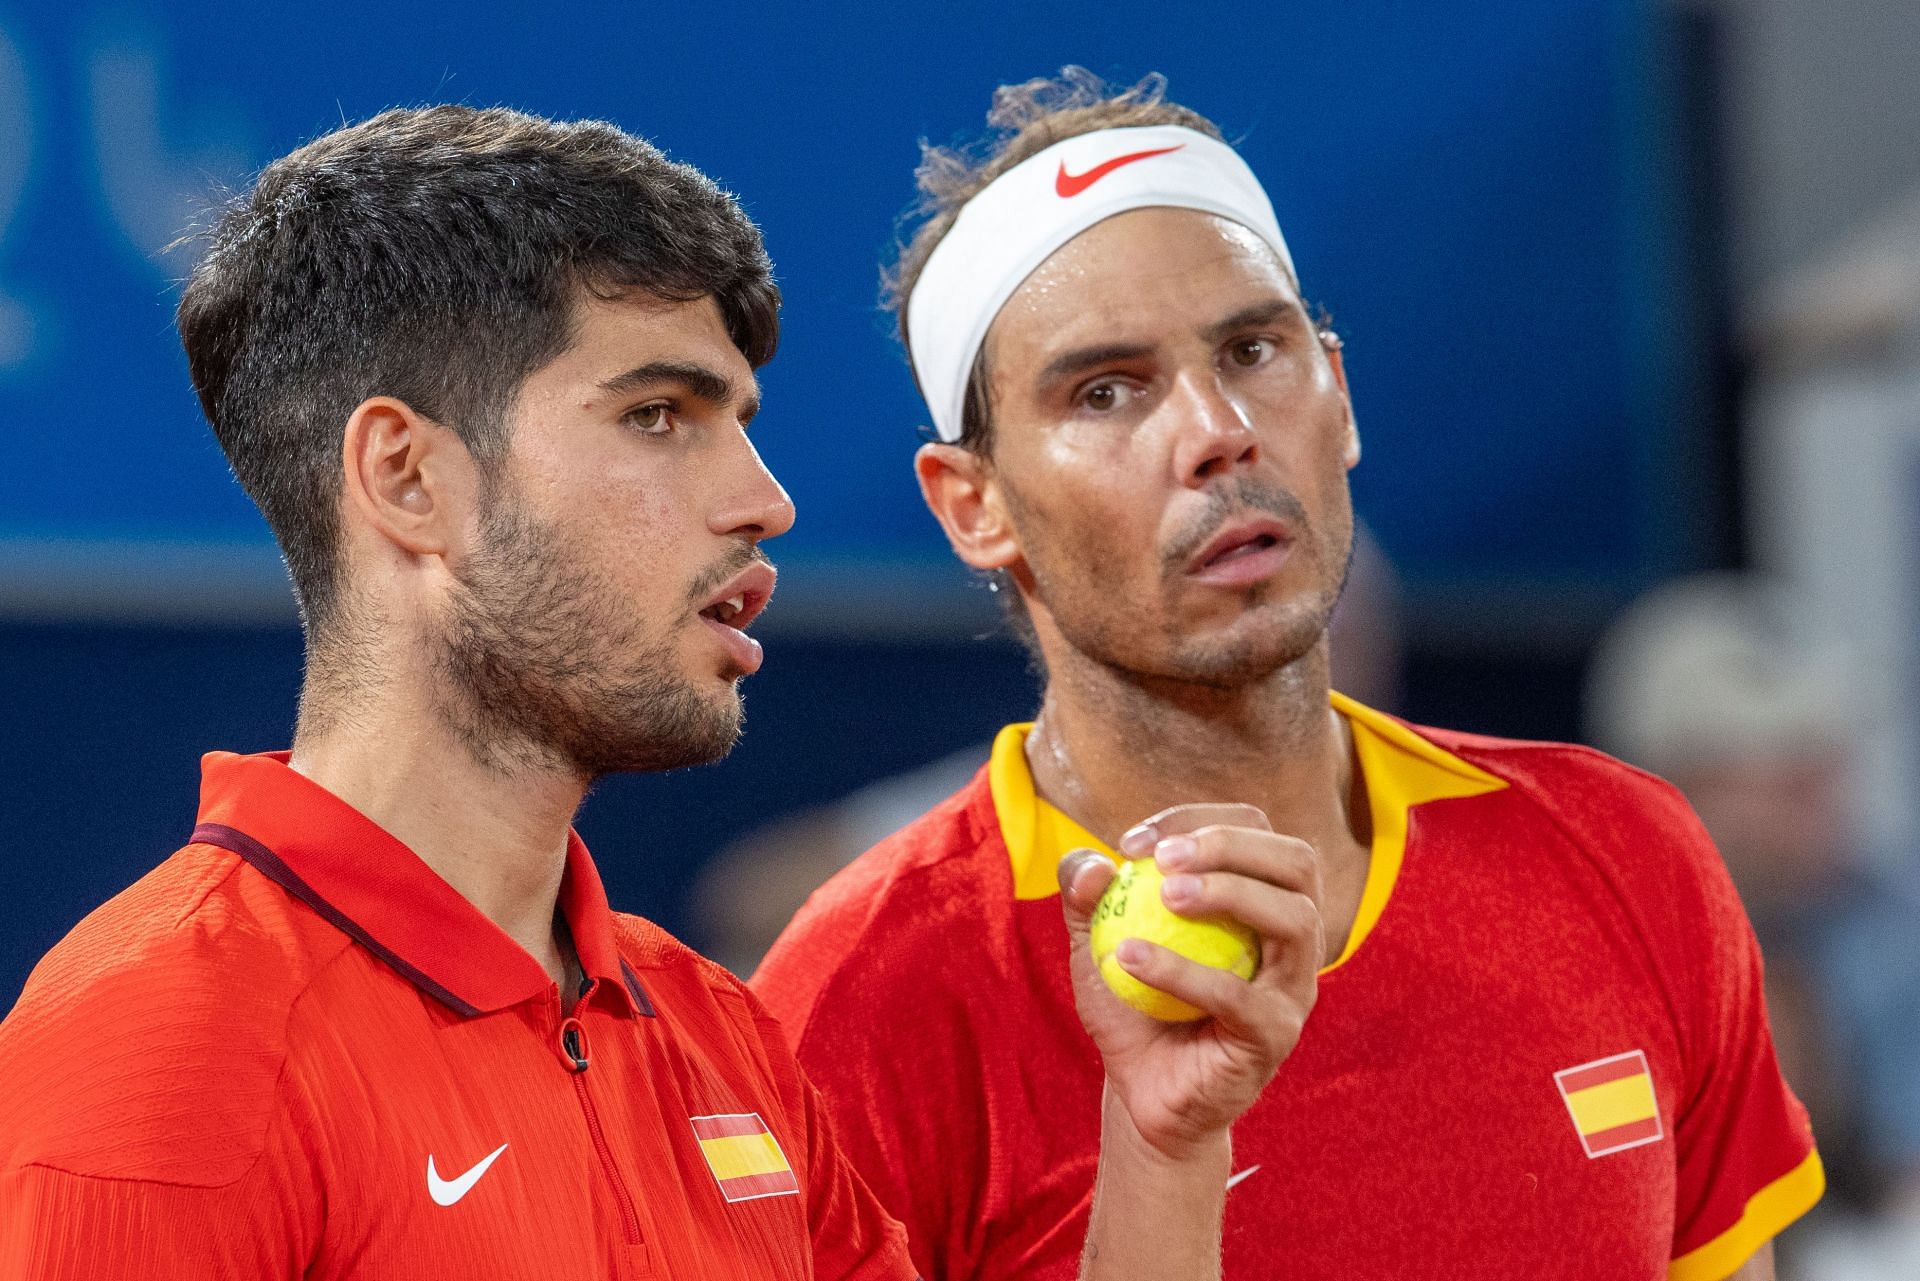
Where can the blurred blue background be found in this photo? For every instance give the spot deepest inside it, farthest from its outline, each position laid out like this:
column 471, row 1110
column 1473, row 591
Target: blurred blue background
column 1478, row 201
column 1630, row 289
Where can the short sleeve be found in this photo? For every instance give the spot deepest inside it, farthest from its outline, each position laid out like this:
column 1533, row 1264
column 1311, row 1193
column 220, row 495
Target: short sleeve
column 854, row 1239
column 1747, row 1162
column 910, row 1120
column 853, row 1236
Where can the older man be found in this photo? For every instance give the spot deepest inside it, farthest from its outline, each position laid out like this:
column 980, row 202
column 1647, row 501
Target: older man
column 1539, row 1047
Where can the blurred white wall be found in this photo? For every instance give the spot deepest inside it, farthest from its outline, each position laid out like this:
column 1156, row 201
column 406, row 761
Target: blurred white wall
column 1820, row 117
column 1821, row 121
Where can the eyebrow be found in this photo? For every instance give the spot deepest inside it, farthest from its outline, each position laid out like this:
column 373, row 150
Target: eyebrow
column 1260, row 313
column 699, row 381
column 1081, row 359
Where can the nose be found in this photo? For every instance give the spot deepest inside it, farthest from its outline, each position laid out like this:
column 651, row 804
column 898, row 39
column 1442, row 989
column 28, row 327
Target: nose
column 1215, row 436
column 759, row 508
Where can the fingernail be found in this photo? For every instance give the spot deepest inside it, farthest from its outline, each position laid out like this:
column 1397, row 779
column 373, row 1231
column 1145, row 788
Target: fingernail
column 1074, row 862
column 1131, row 951
column 1180, row 888
column 1175, row 851
column 1138, row 840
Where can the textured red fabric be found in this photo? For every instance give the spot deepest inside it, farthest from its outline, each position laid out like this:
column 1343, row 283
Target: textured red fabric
column 1416, row 1130
column 213, row 1077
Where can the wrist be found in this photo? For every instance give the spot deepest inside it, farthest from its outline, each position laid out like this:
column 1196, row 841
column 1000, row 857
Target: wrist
column 1170, row 1151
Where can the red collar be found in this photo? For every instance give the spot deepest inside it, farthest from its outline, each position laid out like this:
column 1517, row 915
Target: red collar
column 368, row 885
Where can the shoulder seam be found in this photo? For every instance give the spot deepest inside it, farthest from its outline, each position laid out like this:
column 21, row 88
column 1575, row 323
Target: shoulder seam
column 274, row 1114
column 234, row 863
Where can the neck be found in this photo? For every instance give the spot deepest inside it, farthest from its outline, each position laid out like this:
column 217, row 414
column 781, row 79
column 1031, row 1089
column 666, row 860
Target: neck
column 497, row 837
column 1111, row 749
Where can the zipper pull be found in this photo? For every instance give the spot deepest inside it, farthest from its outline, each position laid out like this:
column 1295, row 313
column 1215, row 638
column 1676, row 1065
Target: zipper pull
column 573, row 1045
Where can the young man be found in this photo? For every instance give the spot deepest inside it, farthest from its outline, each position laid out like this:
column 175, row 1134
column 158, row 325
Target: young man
column 1539, row 1048
column 488, row 378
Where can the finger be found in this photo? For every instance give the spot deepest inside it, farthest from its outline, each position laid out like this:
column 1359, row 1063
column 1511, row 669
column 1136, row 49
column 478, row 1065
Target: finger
column 1084, row 876
column 1177, row 819
column 1292, row 956
column 1292, row 933
column 1285, row 861
column 1291, row 930
column 1262, row 1014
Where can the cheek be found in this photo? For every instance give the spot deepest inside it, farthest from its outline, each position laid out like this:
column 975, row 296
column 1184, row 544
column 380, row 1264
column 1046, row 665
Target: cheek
column 1314, row 441
column 633, row 536
column 1095, row 523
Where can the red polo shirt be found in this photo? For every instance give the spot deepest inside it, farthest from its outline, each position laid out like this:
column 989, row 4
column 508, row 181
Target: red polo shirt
column 292, row 1050
column 1543, row 1052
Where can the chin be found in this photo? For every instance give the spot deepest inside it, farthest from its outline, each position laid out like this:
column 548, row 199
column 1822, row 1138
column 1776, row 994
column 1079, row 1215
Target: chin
column 1250, row 650
column 676, row 728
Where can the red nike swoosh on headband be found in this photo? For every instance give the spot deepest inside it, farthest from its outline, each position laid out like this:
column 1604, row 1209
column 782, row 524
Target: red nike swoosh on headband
column 1070, row 185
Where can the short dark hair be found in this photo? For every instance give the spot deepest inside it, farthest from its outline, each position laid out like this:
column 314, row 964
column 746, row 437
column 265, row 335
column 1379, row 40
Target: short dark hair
column 436, row 255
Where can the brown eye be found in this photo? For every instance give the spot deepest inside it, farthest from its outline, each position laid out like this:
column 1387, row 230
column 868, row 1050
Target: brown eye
column 1248, row 352
column 1101, row 396
column 653, row 420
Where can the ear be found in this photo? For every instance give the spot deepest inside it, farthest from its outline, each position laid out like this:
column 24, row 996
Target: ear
column 1337, row 358
column 407, row 478
column 964, row 497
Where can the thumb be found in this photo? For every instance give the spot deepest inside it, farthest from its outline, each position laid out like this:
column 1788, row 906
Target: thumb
column 1084, row 877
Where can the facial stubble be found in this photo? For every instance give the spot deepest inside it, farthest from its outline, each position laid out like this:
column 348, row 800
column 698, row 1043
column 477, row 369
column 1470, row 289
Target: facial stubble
column 1117, row 634
column 544, row 664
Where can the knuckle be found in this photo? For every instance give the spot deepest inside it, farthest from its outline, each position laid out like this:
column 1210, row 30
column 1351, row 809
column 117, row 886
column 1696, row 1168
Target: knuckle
column 1298, row 852
column 1301, row 916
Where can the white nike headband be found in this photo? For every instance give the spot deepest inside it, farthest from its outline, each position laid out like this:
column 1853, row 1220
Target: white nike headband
column 1019, row 219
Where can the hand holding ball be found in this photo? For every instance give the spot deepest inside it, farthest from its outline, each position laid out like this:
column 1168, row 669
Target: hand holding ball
column 1132, row 908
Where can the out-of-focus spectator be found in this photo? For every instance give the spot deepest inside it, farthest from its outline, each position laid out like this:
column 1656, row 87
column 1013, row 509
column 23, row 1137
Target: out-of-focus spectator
column 1729, row 687
column 753, row 887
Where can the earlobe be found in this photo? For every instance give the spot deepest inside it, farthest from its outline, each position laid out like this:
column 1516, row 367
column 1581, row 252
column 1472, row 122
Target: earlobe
column 394, row 465
column 960, row 491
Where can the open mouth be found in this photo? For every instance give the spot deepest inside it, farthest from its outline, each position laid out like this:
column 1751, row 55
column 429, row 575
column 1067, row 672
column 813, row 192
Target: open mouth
column 742, row 598
column 1245, row 551
column 1237, row 551
column 735, row 604
column 728, row 610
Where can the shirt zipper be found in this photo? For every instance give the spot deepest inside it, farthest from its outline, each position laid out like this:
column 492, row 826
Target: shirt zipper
column 573, row 1044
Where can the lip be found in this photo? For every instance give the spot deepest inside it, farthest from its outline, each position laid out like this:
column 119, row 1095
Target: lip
column 1247, row 566
column 754, row 585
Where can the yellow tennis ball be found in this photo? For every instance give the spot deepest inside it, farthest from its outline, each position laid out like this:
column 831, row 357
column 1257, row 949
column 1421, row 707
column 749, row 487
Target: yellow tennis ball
column 1132, row 908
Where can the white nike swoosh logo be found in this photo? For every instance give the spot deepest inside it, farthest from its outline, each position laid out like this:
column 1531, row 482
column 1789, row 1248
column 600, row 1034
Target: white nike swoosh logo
column 447, row 1191
column 1250, row 1170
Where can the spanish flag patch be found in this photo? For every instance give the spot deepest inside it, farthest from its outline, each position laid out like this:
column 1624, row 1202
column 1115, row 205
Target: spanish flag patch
column 1612, row 1103
column 745, row 1158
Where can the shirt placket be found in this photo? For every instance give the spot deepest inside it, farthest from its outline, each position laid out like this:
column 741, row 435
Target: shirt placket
column 574, row 1044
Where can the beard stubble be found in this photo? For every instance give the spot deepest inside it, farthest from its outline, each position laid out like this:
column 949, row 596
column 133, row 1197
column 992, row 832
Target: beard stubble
column 1068, row 580
column 544, row 664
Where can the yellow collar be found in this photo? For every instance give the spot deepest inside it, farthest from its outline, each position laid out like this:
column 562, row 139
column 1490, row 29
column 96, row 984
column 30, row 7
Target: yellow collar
column 1400, row 769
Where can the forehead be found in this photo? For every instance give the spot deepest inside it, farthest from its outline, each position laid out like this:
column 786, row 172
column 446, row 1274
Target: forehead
column 612, row 335
column 1138, row 276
